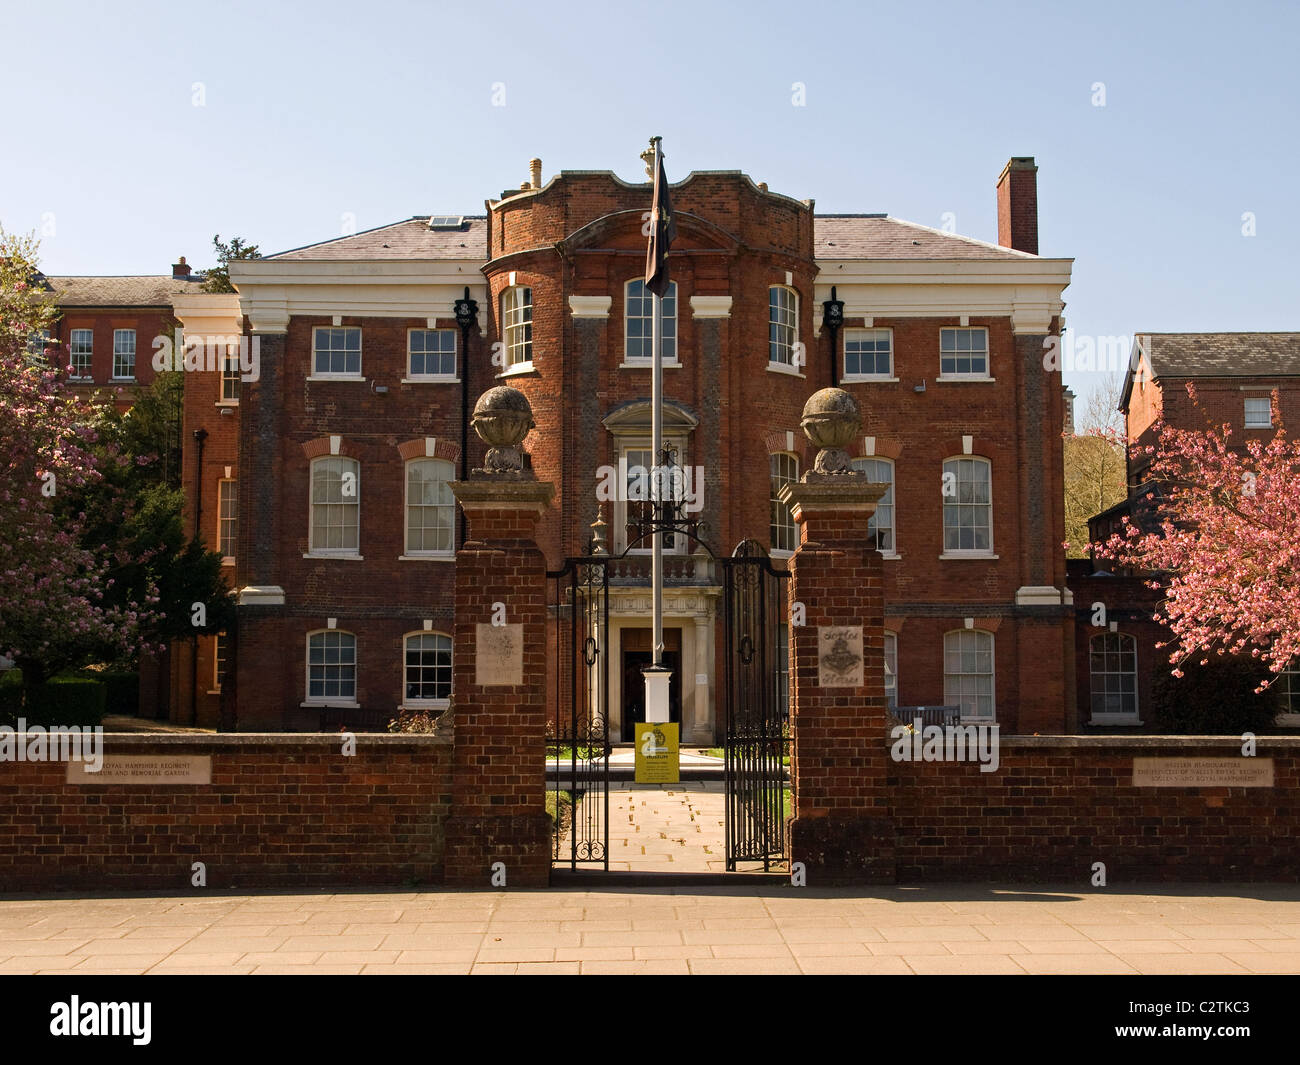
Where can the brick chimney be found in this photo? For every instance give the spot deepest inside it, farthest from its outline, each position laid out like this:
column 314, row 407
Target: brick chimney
column 1018, row 205
column 1068, row 394
column 180, row 270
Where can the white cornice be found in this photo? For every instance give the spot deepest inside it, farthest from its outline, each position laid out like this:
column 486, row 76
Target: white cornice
column 211, row 313
column 590, row 306
column 711, row 306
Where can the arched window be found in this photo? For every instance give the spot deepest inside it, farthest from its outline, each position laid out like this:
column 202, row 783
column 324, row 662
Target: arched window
column 1112, row 665
column 335, row 505
column 880, row 529
column 782, row 325
column 331, row 667
column 891, row 670
column 638, row 315
column 968, row 673
column 517, row 324
column 430, row 507
column 427, row 670
column 782, row 530
column 967, row 506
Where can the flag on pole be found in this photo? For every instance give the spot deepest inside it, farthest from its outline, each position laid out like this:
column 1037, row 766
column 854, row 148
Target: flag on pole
column 663, row 230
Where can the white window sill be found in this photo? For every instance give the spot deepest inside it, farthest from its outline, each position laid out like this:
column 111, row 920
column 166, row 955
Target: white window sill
column 890, row 556
column 340, row 556
column 1287, row 720
column 979, row 721
column 867, row 379
column 517, row 370
column 449, row 557
column 228, row 560
column 949, row 556
column 226, row 403
column 330, row 702
column 336, row 377
column 778, row 552
column 648, row 364
column 1114, row 719
column 948, row 379
column 81, row 380
column 122, row 380
column 214, row 691
column 431, row 380
column 425, row 704
column 780, row 367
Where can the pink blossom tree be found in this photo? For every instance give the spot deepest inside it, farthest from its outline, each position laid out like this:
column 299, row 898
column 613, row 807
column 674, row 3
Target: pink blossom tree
column 52, row 585
column 1225, row 543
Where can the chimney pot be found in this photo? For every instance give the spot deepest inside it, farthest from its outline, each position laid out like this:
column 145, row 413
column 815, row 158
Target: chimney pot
column 535, row 173
column 180, row 269
column 1018, row 205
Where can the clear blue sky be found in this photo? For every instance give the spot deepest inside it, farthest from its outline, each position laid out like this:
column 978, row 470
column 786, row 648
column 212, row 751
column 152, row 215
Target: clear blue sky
column 385, row 110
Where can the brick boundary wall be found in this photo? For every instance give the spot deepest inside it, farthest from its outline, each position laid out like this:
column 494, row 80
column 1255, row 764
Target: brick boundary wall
column 1057, row 804
column 281, row 811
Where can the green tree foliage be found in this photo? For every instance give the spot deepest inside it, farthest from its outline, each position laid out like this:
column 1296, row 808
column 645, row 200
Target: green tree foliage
column 217, row 279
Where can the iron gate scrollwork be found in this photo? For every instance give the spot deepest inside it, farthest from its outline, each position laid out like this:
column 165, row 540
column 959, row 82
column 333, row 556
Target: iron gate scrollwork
column 757, row 712
column 577, row 732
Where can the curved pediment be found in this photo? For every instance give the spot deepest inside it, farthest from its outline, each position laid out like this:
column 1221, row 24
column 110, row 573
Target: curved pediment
column 635, row 418
column 625, row 229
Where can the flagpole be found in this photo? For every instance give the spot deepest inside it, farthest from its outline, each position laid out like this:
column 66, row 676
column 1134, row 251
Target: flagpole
column 656, row 445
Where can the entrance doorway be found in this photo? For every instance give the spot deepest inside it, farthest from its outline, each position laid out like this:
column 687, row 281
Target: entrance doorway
column 637, row 654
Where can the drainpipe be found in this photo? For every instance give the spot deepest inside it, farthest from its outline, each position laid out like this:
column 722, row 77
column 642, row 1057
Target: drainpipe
column 200, row 436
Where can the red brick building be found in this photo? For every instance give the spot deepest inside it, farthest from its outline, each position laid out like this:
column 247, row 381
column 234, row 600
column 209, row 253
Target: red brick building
column 1234, row 375
column 336, row 458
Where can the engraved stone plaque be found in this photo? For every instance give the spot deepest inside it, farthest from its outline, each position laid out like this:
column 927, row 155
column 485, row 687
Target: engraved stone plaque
column 145, row 769
column 1203, row 772
column 499, row 655
column 839, row 656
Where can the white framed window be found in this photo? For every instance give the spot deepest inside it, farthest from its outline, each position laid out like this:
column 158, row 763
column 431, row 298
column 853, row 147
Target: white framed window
column 517, row 325
column 426, row 670
column 782, row 531
column 868, row 353
column 230, row 376
column 637, row 469
column 331, row 667
column 782, row 325
column 891, row 670
column 124, row 354
column 967, row 506
column 220, row 648
column 431, row 353
column 227, row 517
column 81, row 343
column 430, row 507
column 639, row 322
column 335, row 506
column 964, row 353
column 968, row 673
column 336, row 352
column 37, row 342
column 880, row 528
column 1259, row 413
column 1289, row 691
column 1112, row 669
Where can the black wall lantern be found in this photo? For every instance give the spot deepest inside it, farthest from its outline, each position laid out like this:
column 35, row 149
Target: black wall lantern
column 832, row 319
column 466, row 312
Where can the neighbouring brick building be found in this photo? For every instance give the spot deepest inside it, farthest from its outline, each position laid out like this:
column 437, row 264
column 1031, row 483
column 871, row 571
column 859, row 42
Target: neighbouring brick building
column 1235, row 375
column 328, row 473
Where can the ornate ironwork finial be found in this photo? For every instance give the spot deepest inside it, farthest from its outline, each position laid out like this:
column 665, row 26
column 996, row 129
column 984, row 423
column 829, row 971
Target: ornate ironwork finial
column 598, row 532
column 648, row 157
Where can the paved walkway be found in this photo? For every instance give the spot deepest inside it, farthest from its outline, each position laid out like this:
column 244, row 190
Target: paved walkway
column 667, row 828
column 950, row 929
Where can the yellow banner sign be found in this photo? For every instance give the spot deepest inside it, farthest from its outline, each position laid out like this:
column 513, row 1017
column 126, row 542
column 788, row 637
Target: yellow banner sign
column 657, row 756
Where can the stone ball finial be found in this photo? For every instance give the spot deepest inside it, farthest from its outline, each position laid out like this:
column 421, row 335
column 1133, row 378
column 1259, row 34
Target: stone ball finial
column 830, row 421
column 502, row 418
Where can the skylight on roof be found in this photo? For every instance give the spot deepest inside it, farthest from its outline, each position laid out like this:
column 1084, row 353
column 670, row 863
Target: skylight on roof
column 446, row 221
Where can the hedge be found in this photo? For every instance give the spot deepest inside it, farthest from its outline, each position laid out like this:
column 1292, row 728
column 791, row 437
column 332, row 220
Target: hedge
column 59, row 701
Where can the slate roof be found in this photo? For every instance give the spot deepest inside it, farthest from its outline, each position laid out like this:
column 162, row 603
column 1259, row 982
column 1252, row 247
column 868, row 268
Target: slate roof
column 877, row 236
column 1217, row 355
column 126, row 291
column 408, row 239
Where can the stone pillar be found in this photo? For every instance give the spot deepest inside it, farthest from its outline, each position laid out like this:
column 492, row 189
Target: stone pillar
column 498, row 787
column 842, row 830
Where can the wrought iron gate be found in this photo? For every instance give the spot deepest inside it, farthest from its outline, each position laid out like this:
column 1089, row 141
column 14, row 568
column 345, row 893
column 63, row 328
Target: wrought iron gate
column 577, row 732
column 756, row 712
